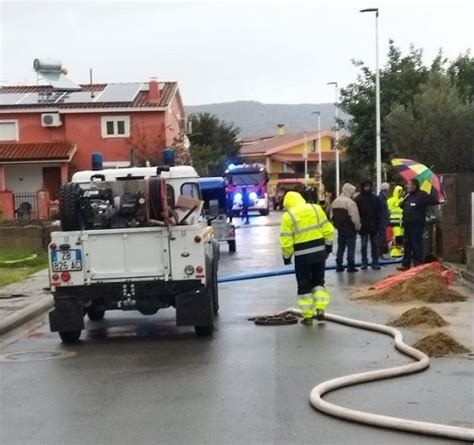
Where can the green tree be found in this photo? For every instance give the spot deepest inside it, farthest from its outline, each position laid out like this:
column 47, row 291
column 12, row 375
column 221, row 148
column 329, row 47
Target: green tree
column 213, row 143
column 461, row 72
column 400, row 79
column 435, row 128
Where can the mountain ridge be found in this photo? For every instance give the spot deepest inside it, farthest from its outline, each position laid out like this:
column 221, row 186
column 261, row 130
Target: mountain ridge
column 259, row 119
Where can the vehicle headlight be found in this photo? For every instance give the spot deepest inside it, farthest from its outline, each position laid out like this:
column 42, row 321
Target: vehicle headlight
column 189, row 270
column 253, row 196
column 238, row 197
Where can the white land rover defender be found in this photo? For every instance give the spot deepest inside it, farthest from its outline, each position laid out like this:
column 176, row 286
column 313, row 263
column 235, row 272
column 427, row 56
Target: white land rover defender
column 133, row 239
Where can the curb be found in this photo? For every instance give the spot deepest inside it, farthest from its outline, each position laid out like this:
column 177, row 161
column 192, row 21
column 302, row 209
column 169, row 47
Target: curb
column 26, row 314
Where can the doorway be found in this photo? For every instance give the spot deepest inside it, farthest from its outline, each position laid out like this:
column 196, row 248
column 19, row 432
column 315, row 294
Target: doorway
column 52, row 181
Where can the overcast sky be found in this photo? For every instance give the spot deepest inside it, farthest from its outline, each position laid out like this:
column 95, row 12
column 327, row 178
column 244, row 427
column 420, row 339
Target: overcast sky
column 270, row 51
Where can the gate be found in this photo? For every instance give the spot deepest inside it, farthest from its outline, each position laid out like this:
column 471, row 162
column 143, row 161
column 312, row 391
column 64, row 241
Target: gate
column 26, row 205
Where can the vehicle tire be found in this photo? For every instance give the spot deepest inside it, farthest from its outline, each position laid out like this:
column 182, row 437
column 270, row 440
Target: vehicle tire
column 232, row 246
column 69, row 336
column 96, row 313
column 204, row 331
column 69, row 207
column 265, row 212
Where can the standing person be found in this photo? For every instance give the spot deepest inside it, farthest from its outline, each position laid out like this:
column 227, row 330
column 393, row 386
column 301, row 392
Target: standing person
column 370, row 213
column 346, row 219
column 307, row 234
column 384, row 219
column 396, row 222
column 245, row 205
column 414, row 218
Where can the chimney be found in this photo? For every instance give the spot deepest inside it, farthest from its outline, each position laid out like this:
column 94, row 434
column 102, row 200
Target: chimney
column 153, row 92
column 280, row 129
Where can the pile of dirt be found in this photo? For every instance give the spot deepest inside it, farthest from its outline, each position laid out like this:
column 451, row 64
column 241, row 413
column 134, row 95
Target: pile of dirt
column 439, row 344
column 427, row 285
column 422, row 315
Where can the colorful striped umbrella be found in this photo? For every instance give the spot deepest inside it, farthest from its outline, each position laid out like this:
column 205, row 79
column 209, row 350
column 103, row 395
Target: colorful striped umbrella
column 429, row 182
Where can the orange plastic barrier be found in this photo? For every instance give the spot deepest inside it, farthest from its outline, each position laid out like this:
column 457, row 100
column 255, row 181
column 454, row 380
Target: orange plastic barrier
column 447, row 275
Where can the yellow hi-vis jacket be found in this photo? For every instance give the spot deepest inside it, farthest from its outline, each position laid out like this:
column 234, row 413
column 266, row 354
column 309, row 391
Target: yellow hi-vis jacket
column 305, row 228
column 394, row 207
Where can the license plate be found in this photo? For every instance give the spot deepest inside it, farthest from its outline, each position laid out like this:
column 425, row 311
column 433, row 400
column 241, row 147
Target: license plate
column 66, row 260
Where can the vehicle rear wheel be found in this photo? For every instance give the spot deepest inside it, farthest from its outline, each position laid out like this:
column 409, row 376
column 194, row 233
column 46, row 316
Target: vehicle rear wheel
column 204, row 331
column 96, row 313
column 215, row 292
column 232, row 246
column 69, row 208
column 69, row 336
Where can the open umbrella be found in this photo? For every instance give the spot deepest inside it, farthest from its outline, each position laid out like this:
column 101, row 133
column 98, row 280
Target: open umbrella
column 410, row 169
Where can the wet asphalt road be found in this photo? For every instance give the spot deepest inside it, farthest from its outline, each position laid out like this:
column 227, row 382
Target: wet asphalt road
column 141, row 380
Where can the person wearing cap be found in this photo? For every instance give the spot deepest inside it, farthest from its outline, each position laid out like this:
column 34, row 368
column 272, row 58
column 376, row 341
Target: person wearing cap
column 346, row 219
column 384, row 218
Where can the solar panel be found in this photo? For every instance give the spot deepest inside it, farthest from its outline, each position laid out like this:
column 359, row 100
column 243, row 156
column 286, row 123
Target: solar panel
column 78, row 97
column 119, row 92
column 11, row 98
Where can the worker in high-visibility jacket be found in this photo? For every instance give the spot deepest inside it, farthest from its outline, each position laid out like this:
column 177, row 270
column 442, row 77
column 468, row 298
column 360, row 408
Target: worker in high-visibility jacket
column 396, row 222
column 307, row 234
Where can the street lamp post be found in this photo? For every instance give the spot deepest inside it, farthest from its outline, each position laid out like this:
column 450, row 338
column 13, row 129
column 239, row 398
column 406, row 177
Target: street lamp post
column 336, row 142
column 320, row 158
column 378, row 144
column 305, row 157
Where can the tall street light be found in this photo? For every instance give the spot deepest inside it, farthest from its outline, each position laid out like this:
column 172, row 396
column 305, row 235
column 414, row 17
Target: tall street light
column 378, row 145
column 336, row 142
column 320, row 160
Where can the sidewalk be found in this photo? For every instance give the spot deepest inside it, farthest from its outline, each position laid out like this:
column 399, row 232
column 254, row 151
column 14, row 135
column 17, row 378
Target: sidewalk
column 20, row 302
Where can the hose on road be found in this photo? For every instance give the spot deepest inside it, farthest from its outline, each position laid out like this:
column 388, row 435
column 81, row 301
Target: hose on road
column 283, row 271
column 394, row 423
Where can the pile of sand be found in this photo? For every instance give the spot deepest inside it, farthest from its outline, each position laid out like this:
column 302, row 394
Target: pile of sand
column 422, row 315
column 439, row 344
column 427, row 285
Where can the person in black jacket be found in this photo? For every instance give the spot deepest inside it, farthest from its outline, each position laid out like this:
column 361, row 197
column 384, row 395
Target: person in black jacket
column 370, row 212
column 414, row 218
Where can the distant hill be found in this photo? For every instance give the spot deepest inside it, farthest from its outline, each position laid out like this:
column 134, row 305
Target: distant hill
column 257, row 119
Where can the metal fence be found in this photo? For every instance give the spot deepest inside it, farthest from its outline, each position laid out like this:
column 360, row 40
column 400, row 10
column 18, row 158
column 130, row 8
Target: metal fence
column 26, row 205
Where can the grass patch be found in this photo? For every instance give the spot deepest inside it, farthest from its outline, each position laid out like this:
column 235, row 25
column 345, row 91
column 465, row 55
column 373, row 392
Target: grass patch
column 14, row 272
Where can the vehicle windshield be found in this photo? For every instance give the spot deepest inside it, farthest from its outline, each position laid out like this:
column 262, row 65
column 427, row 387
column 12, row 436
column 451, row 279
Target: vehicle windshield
column 247, row 178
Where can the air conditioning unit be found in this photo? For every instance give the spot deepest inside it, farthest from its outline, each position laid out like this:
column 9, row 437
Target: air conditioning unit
column 50, row 120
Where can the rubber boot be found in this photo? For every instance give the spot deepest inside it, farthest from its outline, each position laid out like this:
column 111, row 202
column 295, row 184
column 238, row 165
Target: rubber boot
column 319, row 314
column 307, row 321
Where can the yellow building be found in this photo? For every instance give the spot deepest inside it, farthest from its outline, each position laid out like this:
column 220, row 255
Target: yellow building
column 284, row 154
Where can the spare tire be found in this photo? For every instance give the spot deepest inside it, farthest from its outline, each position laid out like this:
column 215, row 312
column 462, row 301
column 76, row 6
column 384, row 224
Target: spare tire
column 69, row 207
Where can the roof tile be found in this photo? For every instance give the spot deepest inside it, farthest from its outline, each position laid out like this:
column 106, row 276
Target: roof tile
column 40, row 151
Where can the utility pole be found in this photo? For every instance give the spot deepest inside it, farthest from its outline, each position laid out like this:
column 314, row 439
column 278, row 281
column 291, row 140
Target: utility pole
column 336, row 139
column 378, row 143
column 320, row 157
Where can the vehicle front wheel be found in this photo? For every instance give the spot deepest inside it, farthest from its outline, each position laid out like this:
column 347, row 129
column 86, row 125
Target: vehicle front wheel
column 204, row 331
column 264, row 212
column 96, row 313
column 69, row 336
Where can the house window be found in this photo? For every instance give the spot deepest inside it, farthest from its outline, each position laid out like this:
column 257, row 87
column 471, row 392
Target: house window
column 115, row 126
column 9, row 131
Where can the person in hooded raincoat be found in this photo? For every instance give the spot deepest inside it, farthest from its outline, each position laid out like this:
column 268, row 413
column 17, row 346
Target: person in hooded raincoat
column 395, row 203
column 307, row 234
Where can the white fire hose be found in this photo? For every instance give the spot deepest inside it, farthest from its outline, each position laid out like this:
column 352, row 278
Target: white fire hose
column 395, row 423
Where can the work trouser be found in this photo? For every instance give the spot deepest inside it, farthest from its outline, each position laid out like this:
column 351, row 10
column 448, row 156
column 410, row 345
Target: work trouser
column 312, row 294
column 364, row 241
column 346, row 239
column 413, row 244
column 396, row 245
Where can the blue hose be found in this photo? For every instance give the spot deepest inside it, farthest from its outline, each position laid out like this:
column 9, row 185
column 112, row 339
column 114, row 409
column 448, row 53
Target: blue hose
column 284, row 271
